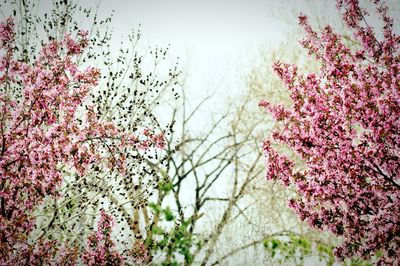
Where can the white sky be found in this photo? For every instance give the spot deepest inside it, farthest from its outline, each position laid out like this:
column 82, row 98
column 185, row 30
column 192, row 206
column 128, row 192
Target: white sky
column 214, row 39
column 217, row 40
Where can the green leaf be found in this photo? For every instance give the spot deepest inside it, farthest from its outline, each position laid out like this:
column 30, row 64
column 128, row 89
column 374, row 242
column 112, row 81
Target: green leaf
column 169, row 216
column 166, row 187
column 275, row 243
column 155, row 207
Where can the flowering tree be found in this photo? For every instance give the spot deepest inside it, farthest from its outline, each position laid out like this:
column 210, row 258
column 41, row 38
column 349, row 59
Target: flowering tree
column 49, row 127
column 344, row 124
column 128, row 94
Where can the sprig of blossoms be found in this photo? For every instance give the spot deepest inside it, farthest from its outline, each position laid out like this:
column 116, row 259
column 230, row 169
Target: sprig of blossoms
column 101, row 248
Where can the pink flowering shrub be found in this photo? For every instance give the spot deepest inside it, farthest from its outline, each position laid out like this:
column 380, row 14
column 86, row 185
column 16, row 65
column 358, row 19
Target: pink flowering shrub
column 49, row 126
column 345, row 124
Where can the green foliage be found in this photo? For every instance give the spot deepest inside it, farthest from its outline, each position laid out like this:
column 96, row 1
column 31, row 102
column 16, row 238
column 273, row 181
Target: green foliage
column 356, row 262
column 166, row 186
column 174, row 237
column 168, row 214
column 294, row 249
column 155, row 207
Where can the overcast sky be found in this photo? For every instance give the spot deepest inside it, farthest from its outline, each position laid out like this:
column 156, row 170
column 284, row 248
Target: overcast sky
column 217, row 40
column 214, row 39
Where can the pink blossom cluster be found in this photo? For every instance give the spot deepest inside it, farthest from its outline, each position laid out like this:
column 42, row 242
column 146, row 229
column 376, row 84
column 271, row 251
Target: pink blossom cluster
column 139, row 253
column 345, row 124
column 101, row 249
column 42, row 130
